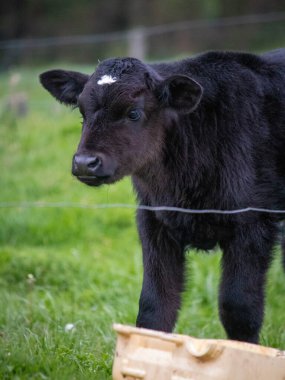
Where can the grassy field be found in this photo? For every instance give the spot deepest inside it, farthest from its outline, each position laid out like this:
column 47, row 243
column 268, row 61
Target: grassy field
column 61, row 266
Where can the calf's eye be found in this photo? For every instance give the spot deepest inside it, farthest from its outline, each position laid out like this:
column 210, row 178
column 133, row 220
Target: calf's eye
column 134, row 115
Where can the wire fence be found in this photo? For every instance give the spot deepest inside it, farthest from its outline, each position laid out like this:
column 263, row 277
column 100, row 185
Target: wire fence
column 259, row 31
column 222, row 22
column 58, row 205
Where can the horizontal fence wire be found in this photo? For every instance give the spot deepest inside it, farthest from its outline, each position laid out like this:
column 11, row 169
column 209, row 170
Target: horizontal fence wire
column 146, row 31
column 5, row 205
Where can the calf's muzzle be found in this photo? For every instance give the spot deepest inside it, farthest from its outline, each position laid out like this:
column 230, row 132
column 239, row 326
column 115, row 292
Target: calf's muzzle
column 85, row 165
column 93, row 169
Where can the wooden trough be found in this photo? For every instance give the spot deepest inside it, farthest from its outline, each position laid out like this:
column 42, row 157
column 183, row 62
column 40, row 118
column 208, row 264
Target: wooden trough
column 152, row 355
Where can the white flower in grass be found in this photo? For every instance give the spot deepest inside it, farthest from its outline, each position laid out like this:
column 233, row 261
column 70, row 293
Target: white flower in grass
column 31, row 279
column 69, row 327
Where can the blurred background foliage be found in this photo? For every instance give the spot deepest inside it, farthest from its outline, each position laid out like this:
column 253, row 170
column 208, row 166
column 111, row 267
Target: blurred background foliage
column 223, row 25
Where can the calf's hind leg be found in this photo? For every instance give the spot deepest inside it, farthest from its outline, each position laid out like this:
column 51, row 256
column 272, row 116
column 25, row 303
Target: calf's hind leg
column 246, row 259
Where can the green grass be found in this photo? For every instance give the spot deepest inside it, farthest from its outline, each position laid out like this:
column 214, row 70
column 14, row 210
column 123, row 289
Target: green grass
column 80, row 266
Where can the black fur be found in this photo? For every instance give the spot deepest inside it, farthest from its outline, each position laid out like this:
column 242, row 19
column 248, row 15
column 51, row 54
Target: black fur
column 211, row 136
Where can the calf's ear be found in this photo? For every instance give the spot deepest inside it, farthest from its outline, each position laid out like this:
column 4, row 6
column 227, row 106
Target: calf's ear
column 180, row 93
column 65, row 86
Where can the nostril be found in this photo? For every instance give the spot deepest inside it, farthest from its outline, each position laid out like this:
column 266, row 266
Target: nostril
column 94, row 163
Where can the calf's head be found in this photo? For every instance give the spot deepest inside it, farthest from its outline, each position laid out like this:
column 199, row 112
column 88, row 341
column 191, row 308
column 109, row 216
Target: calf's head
column 126, row 106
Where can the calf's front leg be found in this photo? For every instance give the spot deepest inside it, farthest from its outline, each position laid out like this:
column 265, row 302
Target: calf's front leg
column 163, row 260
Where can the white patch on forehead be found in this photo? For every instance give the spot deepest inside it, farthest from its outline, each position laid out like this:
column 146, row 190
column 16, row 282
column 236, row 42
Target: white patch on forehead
column 106, row 79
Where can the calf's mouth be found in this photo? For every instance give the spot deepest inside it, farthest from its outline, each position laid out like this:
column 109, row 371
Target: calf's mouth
column 93, row 180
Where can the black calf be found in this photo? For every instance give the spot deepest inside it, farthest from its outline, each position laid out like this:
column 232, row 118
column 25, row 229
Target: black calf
column 206, row 133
